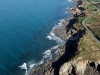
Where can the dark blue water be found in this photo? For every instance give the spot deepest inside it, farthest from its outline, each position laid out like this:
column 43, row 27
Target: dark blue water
column 24, row 25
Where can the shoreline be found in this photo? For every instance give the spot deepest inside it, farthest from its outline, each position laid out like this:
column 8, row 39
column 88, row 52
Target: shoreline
column 64, row 32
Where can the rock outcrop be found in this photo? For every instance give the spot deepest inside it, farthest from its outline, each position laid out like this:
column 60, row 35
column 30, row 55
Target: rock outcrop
column 65, row 31
column 47, row 68
column 66, row 69
column 80, row 68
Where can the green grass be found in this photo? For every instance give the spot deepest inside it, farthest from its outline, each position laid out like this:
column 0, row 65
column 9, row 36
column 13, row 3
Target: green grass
column 97, row 0
column 91, row 21
column 94, row 0
column 88, row 48
column 78, row 27
column 85, row 50
column 99, row 13
column 81, row 19
column 96, row 31
column 91, row 8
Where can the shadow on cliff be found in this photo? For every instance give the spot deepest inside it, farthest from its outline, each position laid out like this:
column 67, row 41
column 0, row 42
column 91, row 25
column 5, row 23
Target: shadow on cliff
column 71, row 22
column 71, row 49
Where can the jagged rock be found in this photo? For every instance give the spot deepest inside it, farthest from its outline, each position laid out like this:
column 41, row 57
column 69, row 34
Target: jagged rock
column 80, row 68
column 91, row 71
column 65, row 69
column 64, row 32
column 46, row 68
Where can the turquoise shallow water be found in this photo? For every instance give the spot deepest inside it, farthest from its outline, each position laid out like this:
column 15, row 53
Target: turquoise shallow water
column 24, row 25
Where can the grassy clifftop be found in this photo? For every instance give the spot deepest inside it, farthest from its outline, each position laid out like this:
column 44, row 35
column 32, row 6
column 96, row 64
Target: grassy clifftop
column 88, row 48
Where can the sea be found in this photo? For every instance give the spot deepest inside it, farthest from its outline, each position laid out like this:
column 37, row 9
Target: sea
column 26, row 36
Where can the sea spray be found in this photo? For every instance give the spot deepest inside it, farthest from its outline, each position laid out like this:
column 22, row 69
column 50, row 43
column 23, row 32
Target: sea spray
column 52, row 35
column 70, row 0
column 24, row 66
column 47, row 55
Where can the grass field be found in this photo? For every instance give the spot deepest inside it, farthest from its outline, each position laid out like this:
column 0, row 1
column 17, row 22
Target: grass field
column 94, row 0
column 81, row 19
column 91, row 21
column 88, row 49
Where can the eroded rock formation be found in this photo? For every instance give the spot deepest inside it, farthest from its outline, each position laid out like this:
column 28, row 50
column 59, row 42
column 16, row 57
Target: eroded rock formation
column 80, row 68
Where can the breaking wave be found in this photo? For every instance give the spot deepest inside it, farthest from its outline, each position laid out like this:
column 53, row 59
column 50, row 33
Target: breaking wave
column 47, row 55
column 70, row 0
column 24, row 66
column 52, row 35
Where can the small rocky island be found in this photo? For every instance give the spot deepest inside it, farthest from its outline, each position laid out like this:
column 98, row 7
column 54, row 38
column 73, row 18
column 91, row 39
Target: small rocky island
column 80, row 54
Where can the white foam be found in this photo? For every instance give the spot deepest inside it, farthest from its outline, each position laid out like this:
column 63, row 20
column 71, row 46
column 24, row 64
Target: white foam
column 47, row 54
column 61, row 21
column 24, row 66
column 57, row 51
column 31, row 65
column 41, row 62
column 55, row 47
column 52, row 35
column 66, row 12
column 68, row 8
column 49, row 37
column 70, row 0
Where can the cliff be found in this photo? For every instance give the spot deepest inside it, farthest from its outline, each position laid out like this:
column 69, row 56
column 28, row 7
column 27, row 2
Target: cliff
column 80, row 68
column 79, row 55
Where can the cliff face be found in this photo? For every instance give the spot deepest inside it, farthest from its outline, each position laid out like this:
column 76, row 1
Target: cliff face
column 80, row 68
column 52, row 66
column 70, row 68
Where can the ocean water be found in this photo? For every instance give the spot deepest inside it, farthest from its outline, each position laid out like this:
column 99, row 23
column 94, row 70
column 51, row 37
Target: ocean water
column 24, row 32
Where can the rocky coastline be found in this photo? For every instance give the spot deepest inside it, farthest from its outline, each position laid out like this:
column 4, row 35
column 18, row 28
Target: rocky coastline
column 66, row 33
column 62, row 63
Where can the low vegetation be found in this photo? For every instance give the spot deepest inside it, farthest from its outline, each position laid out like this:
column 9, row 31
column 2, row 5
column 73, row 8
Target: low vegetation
column 94, row 0
column 94, row 22
column 91, row 21
column 81, row 19
column 88, row 49
column 78, row 27
column 91, row 8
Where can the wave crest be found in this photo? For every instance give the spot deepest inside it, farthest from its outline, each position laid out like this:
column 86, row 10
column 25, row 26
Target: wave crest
column 24, row 66
column 46, row 56
column 52, row 35
column 70, row 0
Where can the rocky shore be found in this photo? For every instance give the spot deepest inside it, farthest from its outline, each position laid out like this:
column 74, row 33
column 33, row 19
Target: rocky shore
column 62, row 63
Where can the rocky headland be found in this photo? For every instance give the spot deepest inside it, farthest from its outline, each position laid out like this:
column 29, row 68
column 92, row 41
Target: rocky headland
column 63, row 62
